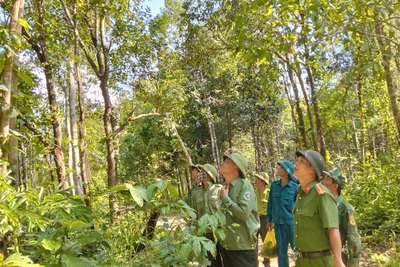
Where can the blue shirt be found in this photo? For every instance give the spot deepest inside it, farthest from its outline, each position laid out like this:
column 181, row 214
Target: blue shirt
column 281, row 202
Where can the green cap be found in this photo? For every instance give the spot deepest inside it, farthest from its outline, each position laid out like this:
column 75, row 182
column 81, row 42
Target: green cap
column 210, row 170
column 263, row 176
column 316, row 160
column 240, row 161
column 337, row 175
column 195, row 166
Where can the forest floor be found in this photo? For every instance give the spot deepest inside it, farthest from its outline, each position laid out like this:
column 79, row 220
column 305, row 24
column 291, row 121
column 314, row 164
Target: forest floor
column 174, row 220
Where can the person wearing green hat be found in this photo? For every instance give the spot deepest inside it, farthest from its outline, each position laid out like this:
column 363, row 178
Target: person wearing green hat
column 212, row 203
column 262, row 191
column 239, row 248
column 280, row 205
column 335, row 181
column 196, row 194
column 316, row 220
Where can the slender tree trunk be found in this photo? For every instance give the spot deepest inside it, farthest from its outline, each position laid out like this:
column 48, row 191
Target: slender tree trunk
column 391, row 85
column 24, row 180
column 309, row 113
column 300, row 116
column 73, row 130
column 294, row 119
column 214, row 145
column 361, row 151
column 229, row 127
column 70, row 176
column 14, row 155
column 5, row 94
column 314, row 102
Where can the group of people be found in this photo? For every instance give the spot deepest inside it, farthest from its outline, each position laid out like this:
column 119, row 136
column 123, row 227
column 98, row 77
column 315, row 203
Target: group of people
column 304, row 207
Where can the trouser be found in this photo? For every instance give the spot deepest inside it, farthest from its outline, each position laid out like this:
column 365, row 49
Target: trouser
column 284, row 235
column 263, row 232
column 239, row 258
column 325, row 261
column 217, row 260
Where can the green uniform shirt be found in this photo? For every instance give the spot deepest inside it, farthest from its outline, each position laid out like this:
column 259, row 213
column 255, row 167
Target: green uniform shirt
column 241, row 214
column 212, row 201
column 196, row 198
column 351, row 241
column 313, row 213
column 262, row 201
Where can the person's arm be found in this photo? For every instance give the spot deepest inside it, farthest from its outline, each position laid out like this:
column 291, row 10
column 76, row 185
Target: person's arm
column 353, row 239
column 243, row 208
column 336, row 244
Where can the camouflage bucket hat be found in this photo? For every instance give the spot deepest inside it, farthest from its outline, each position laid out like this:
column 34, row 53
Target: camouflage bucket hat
column 316, row 160
column 337, row 176
column 210, row 170
column 263, row 176
column 240, row 161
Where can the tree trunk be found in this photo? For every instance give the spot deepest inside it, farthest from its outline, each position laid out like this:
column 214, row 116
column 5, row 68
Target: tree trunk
column 302, row 127
column 294, row 120
column 229, row 127
column 314, row 102
column 389, row 76
column 14, row 155
column 361, row 151
column 309, row 113
column 5, row 94
column 211, row 131
column 73, row 141
column 70, row 175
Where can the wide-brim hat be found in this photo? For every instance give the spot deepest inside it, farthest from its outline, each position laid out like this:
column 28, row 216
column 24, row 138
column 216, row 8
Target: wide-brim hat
column 337, row 176
column 316, row 160
column 195, row 166
column 263, row 176
column 289, row 168
column 240, row 161
column 210, row 170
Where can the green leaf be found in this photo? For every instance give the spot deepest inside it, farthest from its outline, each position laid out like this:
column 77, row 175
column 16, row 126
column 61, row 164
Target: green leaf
column 117, row 188
column 173, row 190
column 19, row 260
column 138, row 193
column 196, row 247
column 71, row 260
column 25, row 78
column 24, row 23
column 79, row 225
column 89, row 238
column 51, row 244
column 3, row 88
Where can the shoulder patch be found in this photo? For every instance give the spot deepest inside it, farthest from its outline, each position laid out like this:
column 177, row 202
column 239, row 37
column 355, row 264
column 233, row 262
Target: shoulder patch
column 247, row 195
column 320, row 189
column 352, row 221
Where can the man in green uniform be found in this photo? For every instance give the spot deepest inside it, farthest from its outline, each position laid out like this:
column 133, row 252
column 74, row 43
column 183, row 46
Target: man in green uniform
column 196, row 194
column 262, row 191
column 211, row 204
column 239, row 248
column 351, row 242
column 316, row 221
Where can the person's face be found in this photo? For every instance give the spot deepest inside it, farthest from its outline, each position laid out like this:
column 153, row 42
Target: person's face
column 195, row 171
column 303, row 168
column 227, row 166
column 259, row 183
column 281, row 171
column 329, row 183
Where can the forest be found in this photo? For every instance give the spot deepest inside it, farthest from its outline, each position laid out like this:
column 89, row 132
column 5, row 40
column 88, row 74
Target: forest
column 105, row 105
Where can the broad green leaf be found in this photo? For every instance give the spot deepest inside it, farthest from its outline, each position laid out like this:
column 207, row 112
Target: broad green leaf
column 196, row 247
column 71, row 260
column 89, row 238
column 137, row 193
column 173, row 190
column 79, row 225
column 19, row 260
column 51, row 244
column 117, row 188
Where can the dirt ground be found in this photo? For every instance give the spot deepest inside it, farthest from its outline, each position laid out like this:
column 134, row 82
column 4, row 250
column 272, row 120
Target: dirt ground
column 174, row 220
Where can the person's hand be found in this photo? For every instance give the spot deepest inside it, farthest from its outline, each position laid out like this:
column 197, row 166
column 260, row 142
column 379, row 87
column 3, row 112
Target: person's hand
column 270, row 226
column 224, row 191
column 339, row 263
